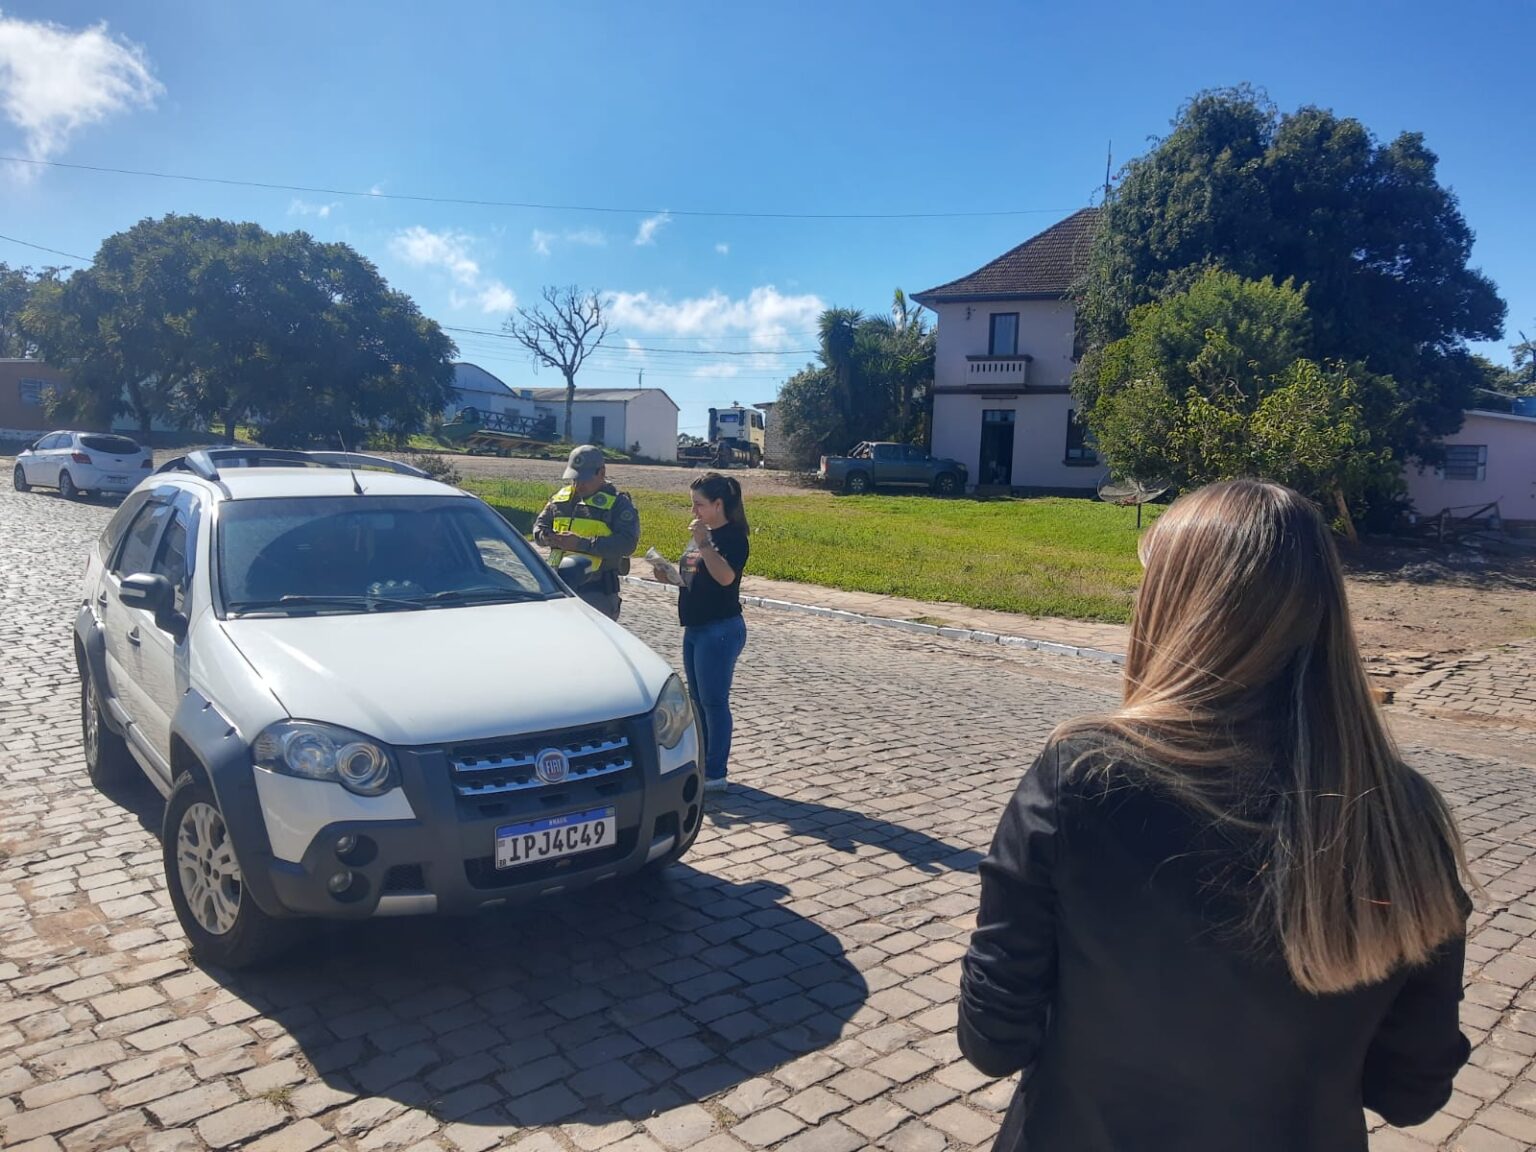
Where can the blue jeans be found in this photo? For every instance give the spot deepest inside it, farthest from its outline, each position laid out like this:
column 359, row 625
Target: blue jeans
column 710, row 652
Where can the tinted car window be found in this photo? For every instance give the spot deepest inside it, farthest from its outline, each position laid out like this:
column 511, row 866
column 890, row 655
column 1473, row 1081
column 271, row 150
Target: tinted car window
column 111, row 445
column 435, row 550
column 113, row 532
column 171, row 560
column 138, row 549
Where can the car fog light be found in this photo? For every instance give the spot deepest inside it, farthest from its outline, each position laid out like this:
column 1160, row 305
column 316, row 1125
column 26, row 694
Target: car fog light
column 340, row 882
column 345, row 844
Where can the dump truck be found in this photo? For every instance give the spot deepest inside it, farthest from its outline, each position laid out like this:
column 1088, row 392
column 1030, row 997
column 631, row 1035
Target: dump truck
column 736, row 436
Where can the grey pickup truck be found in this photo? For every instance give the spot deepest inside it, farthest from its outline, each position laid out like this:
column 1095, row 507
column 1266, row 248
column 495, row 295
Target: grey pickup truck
column 874, row 465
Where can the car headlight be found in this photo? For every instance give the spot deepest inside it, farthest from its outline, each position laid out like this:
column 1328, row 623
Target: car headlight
column 673, row 715
column 326, row 752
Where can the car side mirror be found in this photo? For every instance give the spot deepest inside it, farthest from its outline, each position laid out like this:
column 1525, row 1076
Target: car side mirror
column 153, row 593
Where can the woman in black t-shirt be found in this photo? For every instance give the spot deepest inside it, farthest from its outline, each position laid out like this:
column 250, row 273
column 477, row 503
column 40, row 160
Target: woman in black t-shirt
column 709, row 609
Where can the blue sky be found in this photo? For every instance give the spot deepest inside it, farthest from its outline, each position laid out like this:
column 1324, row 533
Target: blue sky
column 798, row 107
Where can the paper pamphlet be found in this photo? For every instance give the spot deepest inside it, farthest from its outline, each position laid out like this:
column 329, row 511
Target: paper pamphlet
column 656, row 558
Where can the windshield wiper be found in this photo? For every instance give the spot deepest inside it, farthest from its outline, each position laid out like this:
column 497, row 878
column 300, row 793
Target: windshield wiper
column 484, row 596
column 299, row 600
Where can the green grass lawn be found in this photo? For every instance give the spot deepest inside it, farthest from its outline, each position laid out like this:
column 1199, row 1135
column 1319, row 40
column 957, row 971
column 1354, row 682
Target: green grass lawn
column 1049, row 557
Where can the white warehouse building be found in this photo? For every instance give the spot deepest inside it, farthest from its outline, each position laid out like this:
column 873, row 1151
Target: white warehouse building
column 640, row 421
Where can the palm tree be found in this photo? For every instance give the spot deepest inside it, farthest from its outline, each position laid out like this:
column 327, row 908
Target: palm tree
column 908, row 346
column 839, row 329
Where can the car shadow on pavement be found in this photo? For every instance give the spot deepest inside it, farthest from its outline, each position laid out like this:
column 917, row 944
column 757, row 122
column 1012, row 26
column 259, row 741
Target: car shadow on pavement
column 841, row 828
column 620, row 1001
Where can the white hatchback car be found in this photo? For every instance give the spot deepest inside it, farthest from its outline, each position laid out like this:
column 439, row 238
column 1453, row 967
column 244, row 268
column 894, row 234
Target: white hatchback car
column 364, row 694
column 79, row 462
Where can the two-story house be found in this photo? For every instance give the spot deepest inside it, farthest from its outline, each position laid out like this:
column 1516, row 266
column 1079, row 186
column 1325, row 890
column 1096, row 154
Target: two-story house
column 1002, row 399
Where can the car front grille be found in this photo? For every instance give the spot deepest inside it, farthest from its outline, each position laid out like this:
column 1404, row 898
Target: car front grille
column 491, row 769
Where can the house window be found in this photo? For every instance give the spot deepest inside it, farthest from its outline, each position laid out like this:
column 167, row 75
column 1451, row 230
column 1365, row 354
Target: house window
column 1465, row 462
column 1079, row 441
column 599, row 429
column 1004, row 337
column 32, row 392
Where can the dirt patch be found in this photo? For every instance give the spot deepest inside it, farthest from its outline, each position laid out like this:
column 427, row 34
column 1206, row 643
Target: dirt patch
column 1416, row 609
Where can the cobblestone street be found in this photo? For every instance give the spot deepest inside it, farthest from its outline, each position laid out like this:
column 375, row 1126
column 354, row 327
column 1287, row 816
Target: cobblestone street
column 792, row 985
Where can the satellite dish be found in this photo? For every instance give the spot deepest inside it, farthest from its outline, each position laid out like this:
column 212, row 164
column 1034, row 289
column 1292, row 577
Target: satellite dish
column 1131, row 491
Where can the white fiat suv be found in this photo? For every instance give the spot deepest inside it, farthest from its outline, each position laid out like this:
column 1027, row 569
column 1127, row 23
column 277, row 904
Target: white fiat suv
column 364, row 694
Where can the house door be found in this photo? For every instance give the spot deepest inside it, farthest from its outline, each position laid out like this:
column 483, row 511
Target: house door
column 599, row 429
column 996, row 457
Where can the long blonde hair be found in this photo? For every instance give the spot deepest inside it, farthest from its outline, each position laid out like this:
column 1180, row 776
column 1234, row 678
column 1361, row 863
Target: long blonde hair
column 1243, row 677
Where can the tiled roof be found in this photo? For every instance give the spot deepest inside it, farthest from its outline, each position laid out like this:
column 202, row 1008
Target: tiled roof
column 1044, row 265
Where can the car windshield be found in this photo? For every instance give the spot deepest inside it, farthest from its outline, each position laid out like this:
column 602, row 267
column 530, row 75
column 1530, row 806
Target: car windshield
column 111, row 445
column 342, row 554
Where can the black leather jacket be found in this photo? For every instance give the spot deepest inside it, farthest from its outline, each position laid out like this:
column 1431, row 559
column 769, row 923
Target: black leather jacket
column 1109, row 963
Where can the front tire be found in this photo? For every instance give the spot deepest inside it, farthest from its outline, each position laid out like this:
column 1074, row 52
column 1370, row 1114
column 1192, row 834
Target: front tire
column 107, row 760
column 67, row 487
column 19, row 479
column 221, row 921
column 947, row 484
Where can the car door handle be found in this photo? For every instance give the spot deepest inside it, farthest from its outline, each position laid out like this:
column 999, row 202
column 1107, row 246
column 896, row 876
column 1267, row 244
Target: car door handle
column 133, row 637
column 101, row 598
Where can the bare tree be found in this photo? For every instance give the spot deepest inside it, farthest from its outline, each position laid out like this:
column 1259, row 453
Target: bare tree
column 562, row 332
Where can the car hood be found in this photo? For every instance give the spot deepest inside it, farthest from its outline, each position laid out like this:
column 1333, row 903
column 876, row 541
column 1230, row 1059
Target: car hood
column 449, row 674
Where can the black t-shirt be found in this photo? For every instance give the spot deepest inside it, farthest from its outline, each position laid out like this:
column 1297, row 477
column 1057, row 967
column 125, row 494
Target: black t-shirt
column 702, row 599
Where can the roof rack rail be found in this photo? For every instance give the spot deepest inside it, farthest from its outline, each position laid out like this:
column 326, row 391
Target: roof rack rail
column 206, row 461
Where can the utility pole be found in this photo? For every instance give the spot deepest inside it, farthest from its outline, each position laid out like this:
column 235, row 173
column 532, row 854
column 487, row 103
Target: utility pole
column 642, row 378
column 1109, row 160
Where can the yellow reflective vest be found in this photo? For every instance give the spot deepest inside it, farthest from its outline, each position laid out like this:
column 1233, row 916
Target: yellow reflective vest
column 581, row 520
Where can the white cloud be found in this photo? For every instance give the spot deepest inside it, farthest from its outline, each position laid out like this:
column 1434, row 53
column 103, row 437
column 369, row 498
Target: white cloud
column 55, row 81
column 377, row 189
column 450, row 252
column 543, row 242
column 723, row 248
column 496, row 297
column 765, row 315
column 717, row 371
column 305, row 208
column 650, row 226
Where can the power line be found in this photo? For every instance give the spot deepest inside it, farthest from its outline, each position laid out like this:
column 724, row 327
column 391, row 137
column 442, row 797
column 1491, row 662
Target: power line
column 40, row 248
column 663, row 351
column 479, row 203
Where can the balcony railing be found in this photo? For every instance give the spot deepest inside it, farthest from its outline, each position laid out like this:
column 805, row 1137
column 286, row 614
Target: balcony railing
column 993, row 371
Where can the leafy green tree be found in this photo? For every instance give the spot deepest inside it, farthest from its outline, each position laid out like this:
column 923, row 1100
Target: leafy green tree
column 1521, row 379
column 1379, row 246
column 1208, row 385
column 870, row 384
column 17, row 286
column 193, row 320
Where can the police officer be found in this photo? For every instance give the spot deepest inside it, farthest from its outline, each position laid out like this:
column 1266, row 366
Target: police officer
column 590, row 517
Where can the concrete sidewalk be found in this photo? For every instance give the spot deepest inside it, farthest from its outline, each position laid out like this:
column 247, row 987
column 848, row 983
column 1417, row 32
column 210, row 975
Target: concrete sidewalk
column 1097, row 641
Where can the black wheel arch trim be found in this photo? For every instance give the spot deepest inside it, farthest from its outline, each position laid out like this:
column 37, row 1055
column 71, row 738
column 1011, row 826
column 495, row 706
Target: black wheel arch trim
column 93, row 643
column 226, row 759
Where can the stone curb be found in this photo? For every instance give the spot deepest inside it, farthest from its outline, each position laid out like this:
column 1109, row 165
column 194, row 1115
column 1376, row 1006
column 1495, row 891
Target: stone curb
column 974, row 636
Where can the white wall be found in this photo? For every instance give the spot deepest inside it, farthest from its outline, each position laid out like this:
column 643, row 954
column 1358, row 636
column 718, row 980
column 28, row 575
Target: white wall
column 1509, row 477
column 652, row 421
column 582, row 412
column 1039, row 438
column 1040, row 420
column 1045, row 334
